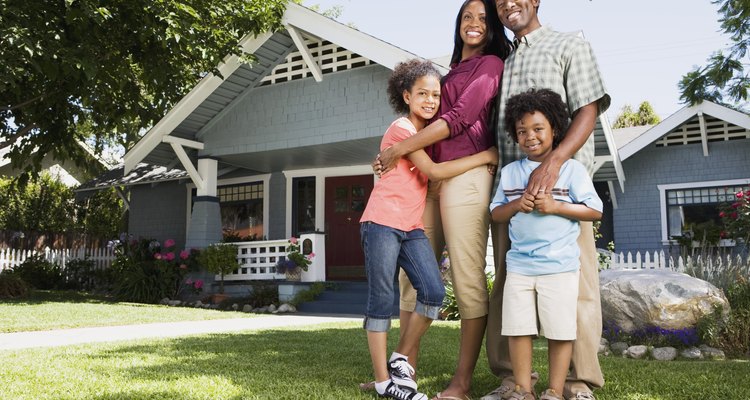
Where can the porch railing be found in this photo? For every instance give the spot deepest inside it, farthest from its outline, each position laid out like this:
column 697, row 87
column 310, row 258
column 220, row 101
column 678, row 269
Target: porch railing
column 258, row 260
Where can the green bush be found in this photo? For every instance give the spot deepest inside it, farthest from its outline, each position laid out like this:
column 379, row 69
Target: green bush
column 219, row 259
column 40, row 274
column 82, row 274
column 146, row 272
column 12, row 286
column 731, row 333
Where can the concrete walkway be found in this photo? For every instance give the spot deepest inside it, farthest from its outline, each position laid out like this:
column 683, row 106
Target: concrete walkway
column 65, row 337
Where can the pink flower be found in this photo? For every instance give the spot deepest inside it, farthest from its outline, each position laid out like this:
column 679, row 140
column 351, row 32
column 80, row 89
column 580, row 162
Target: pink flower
column 736, row 205
column 169, row 243
column 721, row 214
column 157, row 256
column 734, row 215
column 722, row 234
column 310, row 256
column 169, row 256
column 740, row 195
column 185, row 254
column 293, row 240
column 188, row 281
column 198, row 284
column 183, row 266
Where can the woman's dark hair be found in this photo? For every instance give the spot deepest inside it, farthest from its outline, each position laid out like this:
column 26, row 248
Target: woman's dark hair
column 497, row 43
column 403, row 78
column 545, row 101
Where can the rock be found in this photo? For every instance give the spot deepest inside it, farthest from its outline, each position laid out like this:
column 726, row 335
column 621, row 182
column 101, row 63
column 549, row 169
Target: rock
column 692, row 353
column 603, row 349
column 286, row 308
column 174, row 303
column 633, row 299
column 712, row 353
column 636, row 352
column 247, row 308
column 261, row 310
column 198, row 304
column 619, row 348
column 235, row 306
column 664, row 353
column 164, row 301
column 271, row 308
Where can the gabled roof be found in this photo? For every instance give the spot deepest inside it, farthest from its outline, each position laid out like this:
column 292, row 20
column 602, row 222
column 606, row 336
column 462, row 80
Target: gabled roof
column 691, row 125
column 212, row 97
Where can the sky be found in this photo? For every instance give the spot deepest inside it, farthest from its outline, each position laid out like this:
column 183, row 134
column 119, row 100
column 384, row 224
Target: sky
column 643, row 47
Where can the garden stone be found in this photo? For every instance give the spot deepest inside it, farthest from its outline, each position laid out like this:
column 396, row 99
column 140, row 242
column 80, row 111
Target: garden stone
column 633, row 299
column 235, row 306
column 664, row 353
column 247, row 308
column 637, row 352
column 712, row 353
column 263, row 310
column 286, row 308
column 174, row 303
column 692, row 353
column 271, row 308
column 619, row 348
column 198, row 304
column 164, row 301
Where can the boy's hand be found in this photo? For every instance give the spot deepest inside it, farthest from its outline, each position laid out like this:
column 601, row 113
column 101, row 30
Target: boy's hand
column 545, row 204
column 526, row 203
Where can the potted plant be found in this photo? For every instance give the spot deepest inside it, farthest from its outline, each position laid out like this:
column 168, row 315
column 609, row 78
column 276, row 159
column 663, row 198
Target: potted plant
column 295, row 262
column 220, row 259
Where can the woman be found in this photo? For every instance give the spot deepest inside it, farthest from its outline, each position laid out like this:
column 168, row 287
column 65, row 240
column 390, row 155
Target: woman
column 456, row 211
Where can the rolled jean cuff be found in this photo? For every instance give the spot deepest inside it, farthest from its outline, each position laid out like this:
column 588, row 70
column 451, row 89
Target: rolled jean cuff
column 376, row 324
column 431, row 312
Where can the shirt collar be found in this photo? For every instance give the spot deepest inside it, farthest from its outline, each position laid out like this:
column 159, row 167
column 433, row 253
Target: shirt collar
column 532, row 37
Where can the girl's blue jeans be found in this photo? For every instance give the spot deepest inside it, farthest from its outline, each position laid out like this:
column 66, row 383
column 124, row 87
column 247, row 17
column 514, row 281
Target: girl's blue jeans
column 385, row 250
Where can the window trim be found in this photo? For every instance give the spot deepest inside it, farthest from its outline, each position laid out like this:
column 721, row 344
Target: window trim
column 265, row 178
column 686, row 185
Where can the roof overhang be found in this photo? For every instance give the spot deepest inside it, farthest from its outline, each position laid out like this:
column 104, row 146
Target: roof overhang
column 680, row 117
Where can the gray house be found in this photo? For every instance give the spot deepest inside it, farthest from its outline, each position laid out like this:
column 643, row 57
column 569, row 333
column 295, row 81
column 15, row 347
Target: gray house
column 678, row 173
column 281, row 147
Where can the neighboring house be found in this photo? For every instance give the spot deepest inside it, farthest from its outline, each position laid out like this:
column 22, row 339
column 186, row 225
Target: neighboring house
column 282, row 146
column 65, row 171
column 678, row 172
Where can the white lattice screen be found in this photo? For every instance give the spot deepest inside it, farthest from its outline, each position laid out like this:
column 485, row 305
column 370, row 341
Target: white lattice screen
column 716, row 130
column 329, row 56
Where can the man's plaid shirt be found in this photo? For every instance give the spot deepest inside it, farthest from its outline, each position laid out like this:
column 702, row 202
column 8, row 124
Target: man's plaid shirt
column 562, row 62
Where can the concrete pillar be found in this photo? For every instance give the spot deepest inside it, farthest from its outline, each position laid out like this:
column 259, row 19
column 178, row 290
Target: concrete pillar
column 205, row 220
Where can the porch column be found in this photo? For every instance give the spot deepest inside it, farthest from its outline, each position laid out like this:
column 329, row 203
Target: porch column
column 205, row 220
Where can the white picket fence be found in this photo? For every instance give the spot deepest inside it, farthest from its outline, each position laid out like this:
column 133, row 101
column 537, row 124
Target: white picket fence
column 102, row 257
column 660, row 260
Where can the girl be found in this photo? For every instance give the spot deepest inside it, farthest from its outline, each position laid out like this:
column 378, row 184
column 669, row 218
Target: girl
column 392, row 230
column 456, row 211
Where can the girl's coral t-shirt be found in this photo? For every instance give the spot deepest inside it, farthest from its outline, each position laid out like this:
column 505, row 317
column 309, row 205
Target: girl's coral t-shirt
column 398, row 198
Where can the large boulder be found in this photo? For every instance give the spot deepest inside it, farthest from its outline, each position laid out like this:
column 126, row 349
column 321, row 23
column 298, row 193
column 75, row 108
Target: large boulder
column 633, row 299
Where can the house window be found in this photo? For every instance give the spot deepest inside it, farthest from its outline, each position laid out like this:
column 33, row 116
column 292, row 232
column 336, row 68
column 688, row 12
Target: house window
column 695, row 211
column 242, row 210
column 303, row 205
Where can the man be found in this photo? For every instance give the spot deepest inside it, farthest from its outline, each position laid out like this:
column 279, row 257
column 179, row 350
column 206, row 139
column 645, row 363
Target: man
column 565, row 64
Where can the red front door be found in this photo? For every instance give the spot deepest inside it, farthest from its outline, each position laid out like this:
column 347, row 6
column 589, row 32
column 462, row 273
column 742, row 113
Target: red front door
column 345, row 200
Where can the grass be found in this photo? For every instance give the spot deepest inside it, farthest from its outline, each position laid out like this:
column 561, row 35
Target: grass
column 322, row 362
column 46, row 310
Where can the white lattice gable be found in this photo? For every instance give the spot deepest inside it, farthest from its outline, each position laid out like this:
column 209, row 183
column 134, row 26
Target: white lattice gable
column 330, row 57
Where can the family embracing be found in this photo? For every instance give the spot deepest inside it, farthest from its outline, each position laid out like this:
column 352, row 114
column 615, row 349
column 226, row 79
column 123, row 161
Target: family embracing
column 529, row 105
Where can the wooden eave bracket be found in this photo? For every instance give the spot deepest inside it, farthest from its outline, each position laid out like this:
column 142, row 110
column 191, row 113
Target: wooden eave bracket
column 178, row 145
column 299, row 41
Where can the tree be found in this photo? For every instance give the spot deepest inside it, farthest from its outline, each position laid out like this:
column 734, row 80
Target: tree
column 723, row 80
column 644, row 116
column 109, row 69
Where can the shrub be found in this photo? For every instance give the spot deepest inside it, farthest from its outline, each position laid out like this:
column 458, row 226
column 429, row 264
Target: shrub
column 82, row 274
column 146, row 272
column 12, row 286
column 220, row 259
column 731, row 333
column 40, row 273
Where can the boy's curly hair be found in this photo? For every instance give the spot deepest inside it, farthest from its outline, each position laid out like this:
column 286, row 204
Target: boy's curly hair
column 545, row 101
column 403, row 78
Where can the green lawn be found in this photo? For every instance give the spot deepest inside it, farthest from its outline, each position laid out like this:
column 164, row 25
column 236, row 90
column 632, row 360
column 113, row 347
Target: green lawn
column 46, row 310
column 324, row 362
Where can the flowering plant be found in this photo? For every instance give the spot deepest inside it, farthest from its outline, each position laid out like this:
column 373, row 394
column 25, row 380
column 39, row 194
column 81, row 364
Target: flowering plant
column 195, row 286
column 736, row 217
column 294, row 258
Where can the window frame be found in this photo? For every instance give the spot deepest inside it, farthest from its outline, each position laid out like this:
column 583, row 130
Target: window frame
column 665, row 240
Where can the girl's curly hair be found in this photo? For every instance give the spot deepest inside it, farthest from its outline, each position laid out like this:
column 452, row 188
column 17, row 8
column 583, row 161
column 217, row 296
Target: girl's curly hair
column 403, row 78
column 545, row 101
